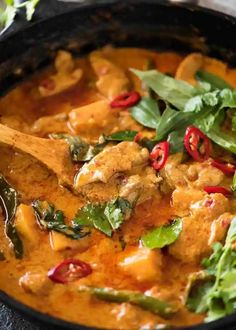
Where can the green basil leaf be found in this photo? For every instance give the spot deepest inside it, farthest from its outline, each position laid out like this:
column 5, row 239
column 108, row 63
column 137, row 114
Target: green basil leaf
column 162, row 236
column 30, row 8
column 146, row 112
column 233, row 187
column 105, row 217
column 176, row 92
column 153, row 305
column 176, row 141
column 8, row 202
column 120, row 136
column 215, row 81
column 51, row 219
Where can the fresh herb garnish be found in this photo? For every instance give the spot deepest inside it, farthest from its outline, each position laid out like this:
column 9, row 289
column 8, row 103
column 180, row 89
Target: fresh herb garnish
column 216, row 295
column 146, row 302
column 233, row 187
column 8, row 202
column 106, row 217
column 146, row 112
column 119, row 136
column 187, row 105
column 215, row 81
column 50, row 219
column 80, row 150
column 9, row 10
column 163, row 235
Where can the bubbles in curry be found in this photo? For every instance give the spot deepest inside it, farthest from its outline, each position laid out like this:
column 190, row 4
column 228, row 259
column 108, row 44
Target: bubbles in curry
column 146, row 237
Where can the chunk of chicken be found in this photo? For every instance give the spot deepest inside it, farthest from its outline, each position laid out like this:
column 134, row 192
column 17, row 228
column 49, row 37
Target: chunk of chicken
column 204, row 174
column 60, row 242
column 141, row 263
column 219, row 228
column 51, row 124
column 112, row 80
column 141, row 186
column 26, row 225
column 36, row 283
column 196, row 61
column 189, row 249
column 65, row 77
column 174, row 172
column 183, row 197
column 112, row 160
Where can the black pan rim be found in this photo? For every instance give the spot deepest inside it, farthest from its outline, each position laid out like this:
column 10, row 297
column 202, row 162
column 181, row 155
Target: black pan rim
column 47, row 319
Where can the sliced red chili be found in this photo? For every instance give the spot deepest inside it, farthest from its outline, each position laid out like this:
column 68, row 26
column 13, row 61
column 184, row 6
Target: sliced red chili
column 138, row 137
column 227, row 168
column 159, row 155
column 217, row 190
column 48, row 84
column 69, row 270
column 126, row 100
column 197, row 144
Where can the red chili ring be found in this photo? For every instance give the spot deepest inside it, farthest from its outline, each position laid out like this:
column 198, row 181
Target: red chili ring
column 126, row 100
column 191, row 141
column 159, row 155
column 227, row 168
column 217, row 190
column 69, row 270
column 138, row 137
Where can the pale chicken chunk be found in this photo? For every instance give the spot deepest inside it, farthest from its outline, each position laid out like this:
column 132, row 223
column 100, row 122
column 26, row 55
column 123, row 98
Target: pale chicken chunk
column 51, row 124
column 36, row 283
column 141, row 263
column 183, row 197
column 65, row 77
column 174, row 173
column 117, row 159
column 60, row 242
column 112, row 80
column 189, row 249
column 204, row 174
column 219, row 228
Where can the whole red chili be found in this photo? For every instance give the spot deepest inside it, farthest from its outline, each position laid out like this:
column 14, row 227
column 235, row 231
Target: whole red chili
column 217, row 190
column 227, row 168
column 197, row 144
column 126, row 100
column 69, row 270
column 159, row 155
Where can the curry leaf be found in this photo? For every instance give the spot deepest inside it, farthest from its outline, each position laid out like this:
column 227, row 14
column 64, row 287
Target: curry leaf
column 146, row 112
column 215, row 81
column 162, row 236
column 152, row 304
column 8, row 202
column 51, row 219
column 105, row 217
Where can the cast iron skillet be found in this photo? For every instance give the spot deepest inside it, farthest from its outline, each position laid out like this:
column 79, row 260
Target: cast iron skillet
column 25, row 48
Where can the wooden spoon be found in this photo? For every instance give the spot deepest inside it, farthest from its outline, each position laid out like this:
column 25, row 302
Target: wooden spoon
column 53, row 153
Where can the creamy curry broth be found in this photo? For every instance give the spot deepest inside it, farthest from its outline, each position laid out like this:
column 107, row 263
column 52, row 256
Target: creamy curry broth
column 32, row 111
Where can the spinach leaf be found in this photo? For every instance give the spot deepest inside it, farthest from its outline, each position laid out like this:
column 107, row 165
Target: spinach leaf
column 163, row 235
column 50, row 219
column 153, row 305
column 8, row 202
column 120, row 136
column 80, row 150
column 146, row 112
column 105, row 217
column 215, row 81
column 176, row 92
column 216, row 295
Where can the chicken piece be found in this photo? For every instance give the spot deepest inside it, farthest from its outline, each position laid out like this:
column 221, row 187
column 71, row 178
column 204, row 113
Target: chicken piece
column 26, row 225
column 141, row 263
column 204, row 174
column 65, row 77
column 36, row 283
column 141, row 187
column 195, row 61
column 112, row 160
column 191, row 245
column 174, row 173
column 112, row 80
column 219, row 228
column 60, row 242
column 183, row 197
column 51, row 124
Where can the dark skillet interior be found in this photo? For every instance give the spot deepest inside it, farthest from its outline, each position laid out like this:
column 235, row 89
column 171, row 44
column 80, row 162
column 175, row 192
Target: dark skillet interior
column 150, row 24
